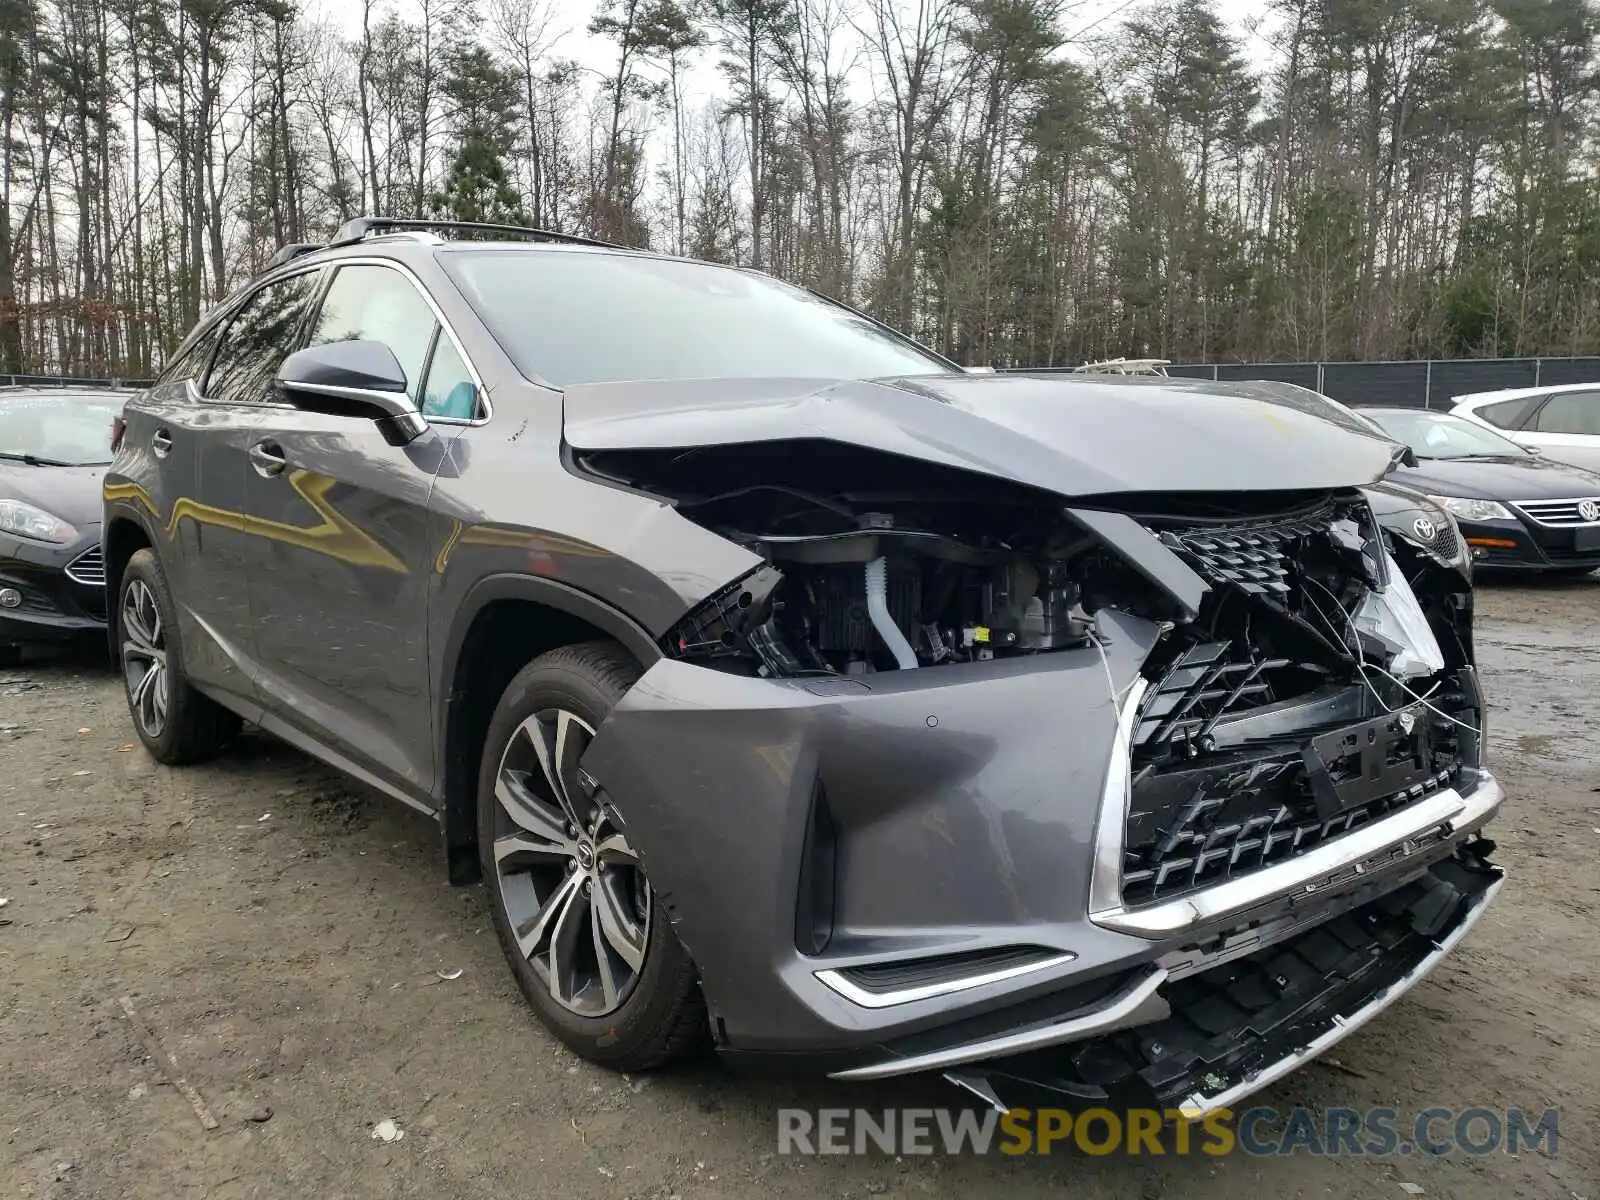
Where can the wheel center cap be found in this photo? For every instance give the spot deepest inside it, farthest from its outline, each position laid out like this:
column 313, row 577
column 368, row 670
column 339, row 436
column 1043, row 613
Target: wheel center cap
column 586, row 855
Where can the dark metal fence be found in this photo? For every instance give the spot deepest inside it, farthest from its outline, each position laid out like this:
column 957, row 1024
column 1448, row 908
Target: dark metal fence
column 1424, row 383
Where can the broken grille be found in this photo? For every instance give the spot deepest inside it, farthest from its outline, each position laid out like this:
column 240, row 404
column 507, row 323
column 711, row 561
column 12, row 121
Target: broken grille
column 1205, row 684
column 1218, row 836
column 1201, row 813
column 1254, row 557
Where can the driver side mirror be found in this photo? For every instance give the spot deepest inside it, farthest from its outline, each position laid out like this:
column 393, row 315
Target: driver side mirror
column 353, row 378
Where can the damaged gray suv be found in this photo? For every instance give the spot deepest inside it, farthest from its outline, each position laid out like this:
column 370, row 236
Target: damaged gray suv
column 791, row 689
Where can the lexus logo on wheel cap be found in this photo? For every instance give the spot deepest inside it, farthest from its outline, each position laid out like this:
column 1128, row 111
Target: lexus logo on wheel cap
column 1589, row 510
column 1423, row 528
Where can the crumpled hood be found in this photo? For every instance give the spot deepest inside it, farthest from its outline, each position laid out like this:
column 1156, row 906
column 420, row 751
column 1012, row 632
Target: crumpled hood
column 71, row 493
column 1081, row 436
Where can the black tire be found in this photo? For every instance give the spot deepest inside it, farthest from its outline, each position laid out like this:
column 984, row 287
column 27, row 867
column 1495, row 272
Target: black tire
column 10, row 656
column 193, row 727
column 662, row 1017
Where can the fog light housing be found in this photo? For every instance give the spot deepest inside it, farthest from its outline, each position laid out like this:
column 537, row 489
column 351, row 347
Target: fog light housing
column 10, row 598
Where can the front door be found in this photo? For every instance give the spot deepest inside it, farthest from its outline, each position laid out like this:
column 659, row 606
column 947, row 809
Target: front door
column 340, row 560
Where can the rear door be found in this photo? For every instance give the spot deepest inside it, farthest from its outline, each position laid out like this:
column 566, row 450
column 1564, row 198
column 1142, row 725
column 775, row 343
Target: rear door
column 202, row 439
column 1567, row 428
column 339, row 562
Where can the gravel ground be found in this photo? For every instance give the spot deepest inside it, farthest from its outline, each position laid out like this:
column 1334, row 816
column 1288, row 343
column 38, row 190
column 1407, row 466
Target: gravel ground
column 284, row 937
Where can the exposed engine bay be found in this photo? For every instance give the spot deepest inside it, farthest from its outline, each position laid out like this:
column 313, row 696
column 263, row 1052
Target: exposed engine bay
column 879, row 563
column 1314, row 677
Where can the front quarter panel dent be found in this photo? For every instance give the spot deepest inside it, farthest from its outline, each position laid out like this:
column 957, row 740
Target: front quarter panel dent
column 967, row 797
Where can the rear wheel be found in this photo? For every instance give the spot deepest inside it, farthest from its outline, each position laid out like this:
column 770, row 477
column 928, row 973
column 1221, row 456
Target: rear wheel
column 174, row 721
column 571, row 902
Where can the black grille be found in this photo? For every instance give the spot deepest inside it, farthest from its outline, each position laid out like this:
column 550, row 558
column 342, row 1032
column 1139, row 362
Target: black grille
column 1242, row 759
column 1253, row 557
column 1209, row 681
column 1203, row 816
column 1219, row 835
column 1445, row 543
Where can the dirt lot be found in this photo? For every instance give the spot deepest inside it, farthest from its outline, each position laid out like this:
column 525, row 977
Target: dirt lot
column 284, row 937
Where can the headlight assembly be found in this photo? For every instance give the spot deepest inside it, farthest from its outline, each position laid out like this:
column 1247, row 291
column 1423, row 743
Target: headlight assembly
column 25, row 520
column 1467, row 509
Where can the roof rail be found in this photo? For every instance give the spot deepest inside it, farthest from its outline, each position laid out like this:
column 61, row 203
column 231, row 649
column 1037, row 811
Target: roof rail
column 291, row 251
column 357, row 228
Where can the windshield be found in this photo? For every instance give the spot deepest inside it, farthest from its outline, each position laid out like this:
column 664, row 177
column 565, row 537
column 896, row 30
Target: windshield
column 58, row 429
column 1439, row 435
column 573, row 318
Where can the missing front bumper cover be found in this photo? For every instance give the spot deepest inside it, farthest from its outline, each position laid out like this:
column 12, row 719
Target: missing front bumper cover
column 1237, row 1027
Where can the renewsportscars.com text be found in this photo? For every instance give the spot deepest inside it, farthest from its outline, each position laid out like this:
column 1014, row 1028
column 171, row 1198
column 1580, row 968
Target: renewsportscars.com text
column 1260, row 1131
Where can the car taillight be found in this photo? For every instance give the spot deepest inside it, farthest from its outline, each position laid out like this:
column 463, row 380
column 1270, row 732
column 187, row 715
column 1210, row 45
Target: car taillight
column 118, row 428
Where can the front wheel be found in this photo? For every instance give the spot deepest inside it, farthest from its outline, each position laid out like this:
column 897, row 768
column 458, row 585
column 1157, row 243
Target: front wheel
column 591, row 950
column 176, row 723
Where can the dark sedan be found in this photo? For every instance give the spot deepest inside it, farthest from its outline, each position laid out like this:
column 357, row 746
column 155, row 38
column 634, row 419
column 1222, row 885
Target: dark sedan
column 1517, row 510
column 55, row 445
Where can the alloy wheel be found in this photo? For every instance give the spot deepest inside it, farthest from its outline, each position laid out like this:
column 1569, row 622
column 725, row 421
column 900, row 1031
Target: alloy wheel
column 573, row 888
column 144, row 658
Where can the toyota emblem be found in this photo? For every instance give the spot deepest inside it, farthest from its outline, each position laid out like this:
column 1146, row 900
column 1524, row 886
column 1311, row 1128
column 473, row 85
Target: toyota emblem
column 1589, row 510
column 1408, row 722
column 1424, row 529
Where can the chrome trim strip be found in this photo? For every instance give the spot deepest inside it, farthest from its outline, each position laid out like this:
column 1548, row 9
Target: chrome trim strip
column 1546, row 512
column 1309, row 872
column 332, row 265
column 72, row 569
column 856, row 994
column 1197, row 1106
column 1105, row 877
column 1136, row 1005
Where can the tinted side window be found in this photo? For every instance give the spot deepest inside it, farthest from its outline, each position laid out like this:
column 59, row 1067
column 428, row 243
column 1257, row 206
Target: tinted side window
column 1510, row 414
column 192, row 363
column 378, row 304
column 259, row 337
column 1570, row 412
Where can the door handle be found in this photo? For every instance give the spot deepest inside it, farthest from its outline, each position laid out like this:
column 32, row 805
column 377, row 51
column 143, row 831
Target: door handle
column 161, row 443
column 267, row 458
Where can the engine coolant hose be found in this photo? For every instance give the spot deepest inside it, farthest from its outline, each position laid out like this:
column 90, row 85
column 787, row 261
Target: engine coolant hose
column 878, row 613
